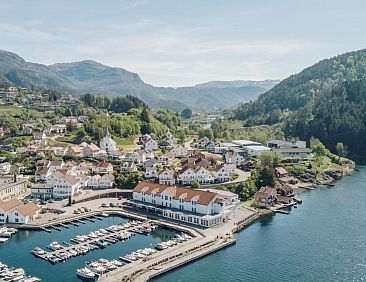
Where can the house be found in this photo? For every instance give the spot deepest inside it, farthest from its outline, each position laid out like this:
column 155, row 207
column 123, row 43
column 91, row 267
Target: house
column 23, row 213
column 51, row 178
column 166, row 158
column 179, row 151
column 265, row 197
column 94, row 181
column 55, row 165
column 224, row 171
column 42, row 173
column 166, row 177
column 42, row 191
column 60, row 151
column 127, row 167
column 151, row 163
column 75, row 151
column 280, row 172
column 192, row 173
column 198, row 207
column 83, row 180
column 285, row 190
column 232, row 157
column 101, row 182
column 296, row 153
column 90, row 151
column 102, row 168
column 203, row 142
column 137, row 157
column 210, row 146
column 150, row 172
column 106, row 181
column 13, row 188
column 65, row 186
column 5, row 168
column 108, row 143
column 151, row 144
column 6, row 208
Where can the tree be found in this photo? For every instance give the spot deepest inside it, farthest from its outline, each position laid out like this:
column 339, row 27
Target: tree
column 195, row 185
column 145, row 115
column 181, row 137
column 340, row 149
column 186, row 113
column 206, row 132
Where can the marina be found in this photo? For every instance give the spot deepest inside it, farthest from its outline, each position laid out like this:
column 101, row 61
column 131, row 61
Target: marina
column 16, row 251
column 101, row 238
column 12, row 274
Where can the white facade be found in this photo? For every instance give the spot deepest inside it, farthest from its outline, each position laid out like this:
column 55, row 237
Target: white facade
column 65, row 187
column 166, row 177
column 151, row 145
column 200, row 175
column 108, row 143
column 256, row 151
column 191, row 206
column 180, row 151
column 150, row 172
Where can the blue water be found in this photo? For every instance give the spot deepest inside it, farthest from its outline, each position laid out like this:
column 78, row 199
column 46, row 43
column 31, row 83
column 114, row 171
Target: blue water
column 16, row 252
column 324, row 239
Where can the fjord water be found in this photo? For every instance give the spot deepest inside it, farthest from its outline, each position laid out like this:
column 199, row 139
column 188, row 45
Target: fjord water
column 324, row 239
column 16, row 252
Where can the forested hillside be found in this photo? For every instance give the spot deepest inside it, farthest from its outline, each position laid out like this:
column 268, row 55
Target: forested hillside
column 326, row 100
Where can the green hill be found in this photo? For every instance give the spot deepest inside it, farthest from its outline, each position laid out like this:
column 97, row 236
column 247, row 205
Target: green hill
column 326, row 100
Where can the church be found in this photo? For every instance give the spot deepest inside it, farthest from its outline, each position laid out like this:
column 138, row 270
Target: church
column 108, row 143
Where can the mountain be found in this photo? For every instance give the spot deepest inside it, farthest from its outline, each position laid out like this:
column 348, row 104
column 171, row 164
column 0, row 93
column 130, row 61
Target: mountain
column 266, row 84
column 92, row 77
column 297, row 90
column 326, row 100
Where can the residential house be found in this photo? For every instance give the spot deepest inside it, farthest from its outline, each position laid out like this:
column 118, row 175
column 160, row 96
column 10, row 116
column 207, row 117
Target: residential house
column 285, row 190
column 166, row 177
column 265, row 197
column 150, row 172
column 166, row 158
column 106, row 181
column 151, row 144
column 102, row 168
column 127, row 167
column 137, row 157
column 23, row 213
column 42, row 173
column 224, row 171
column 65, row 186
column 232, row 157
column 94, row 181
column 75, row 151
column 280, row 172
column 180, row 151
column 90, row 151
column 6, row 208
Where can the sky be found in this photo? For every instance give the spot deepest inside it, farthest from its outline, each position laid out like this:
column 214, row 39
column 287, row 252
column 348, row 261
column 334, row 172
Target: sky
column 185, row 42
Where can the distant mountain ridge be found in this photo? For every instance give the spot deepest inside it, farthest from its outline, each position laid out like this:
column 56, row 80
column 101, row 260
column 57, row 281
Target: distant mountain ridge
column 92, row 77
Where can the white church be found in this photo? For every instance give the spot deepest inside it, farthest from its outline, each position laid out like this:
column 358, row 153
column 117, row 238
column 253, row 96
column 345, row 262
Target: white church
column 108, row 143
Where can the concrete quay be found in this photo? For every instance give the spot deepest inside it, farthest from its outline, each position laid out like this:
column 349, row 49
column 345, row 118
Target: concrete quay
column 210, row 240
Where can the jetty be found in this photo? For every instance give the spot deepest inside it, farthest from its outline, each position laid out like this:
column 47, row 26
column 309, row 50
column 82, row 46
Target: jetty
column 91, row 243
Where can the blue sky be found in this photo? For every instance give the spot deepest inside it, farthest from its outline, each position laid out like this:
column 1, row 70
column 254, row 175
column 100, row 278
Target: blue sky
column 185, row 42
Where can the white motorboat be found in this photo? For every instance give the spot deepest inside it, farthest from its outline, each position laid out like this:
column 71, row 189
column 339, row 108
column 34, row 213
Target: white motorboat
column 85, row 273
column 54, row 246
